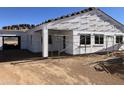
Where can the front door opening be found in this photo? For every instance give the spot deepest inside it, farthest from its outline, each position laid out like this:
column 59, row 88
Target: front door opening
column 11, row 42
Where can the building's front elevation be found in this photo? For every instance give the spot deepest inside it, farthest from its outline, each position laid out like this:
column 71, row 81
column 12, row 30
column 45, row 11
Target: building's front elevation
column 87, row 31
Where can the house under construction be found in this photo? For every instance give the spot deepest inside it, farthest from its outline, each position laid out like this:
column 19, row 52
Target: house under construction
column 87, row 31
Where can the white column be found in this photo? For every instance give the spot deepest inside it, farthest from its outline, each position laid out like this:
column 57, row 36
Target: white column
column 92, row 42
column 105, row 41
column 45, row 42
column 1, row 43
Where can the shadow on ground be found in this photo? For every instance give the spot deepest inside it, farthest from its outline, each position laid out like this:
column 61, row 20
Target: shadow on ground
column 17, row 55
column 20, row 55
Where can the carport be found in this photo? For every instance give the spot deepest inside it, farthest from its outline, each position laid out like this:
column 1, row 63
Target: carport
column 12, row 40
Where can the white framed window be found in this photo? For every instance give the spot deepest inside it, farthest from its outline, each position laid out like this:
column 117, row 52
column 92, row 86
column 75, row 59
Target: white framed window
column 119, row 39
column 85, row 39
column 99, row 39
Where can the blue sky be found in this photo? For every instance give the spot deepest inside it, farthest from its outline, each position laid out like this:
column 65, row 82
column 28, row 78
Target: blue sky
column 9, row 16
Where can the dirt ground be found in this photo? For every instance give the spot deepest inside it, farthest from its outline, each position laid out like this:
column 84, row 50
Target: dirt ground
column 71, row 70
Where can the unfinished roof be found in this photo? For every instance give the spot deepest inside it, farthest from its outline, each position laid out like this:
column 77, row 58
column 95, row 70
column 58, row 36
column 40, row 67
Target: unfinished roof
column 69, row 15
column 57, row 23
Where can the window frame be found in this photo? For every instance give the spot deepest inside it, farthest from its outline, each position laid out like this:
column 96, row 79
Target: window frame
column 85, row 42
column 100, row 39
column 120, row 39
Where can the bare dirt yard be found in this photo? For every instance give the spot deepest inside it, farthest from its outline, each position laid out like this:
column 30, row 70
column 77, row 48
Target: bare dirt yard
column 21, row 67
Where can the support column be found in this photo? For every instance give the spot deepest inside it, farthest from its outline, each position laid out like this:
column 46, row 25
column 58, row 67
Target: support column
column 105, row 42
column 114, row 41
column 1, row 43
column 92, row 42
column 45, row 42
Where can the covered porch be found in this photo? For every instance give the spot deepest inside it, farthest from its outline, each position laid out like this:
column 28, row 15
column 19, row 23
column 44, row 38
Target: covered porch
column 51, row 41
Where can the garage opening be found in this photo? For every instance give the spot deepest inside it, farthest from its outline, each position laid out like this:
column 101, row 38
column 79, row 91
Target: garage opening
column 11, row 42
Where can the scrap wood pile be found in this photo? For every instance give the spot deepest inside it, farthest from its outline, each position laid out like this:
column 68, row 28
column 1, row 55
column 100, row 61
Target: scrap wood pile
column 111, row 66
column 117, row 53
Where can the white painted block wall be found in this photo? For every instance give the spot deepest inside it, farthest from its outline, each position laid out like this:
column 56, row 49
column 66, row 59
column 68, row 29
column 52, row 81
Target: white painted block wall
column 24, row 41
column 34, row 42
column 92, row 48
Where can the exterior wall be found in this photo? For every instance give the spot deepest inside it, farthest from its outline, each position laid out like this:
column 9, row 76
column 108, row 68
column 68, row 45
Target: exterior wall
column 23, row 41
column 69, row 43
column 34, row 41
column 109, row 45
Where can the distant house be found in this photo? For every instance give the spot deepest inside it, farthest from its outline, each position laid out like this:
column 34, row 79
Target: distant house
column 87, row 31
